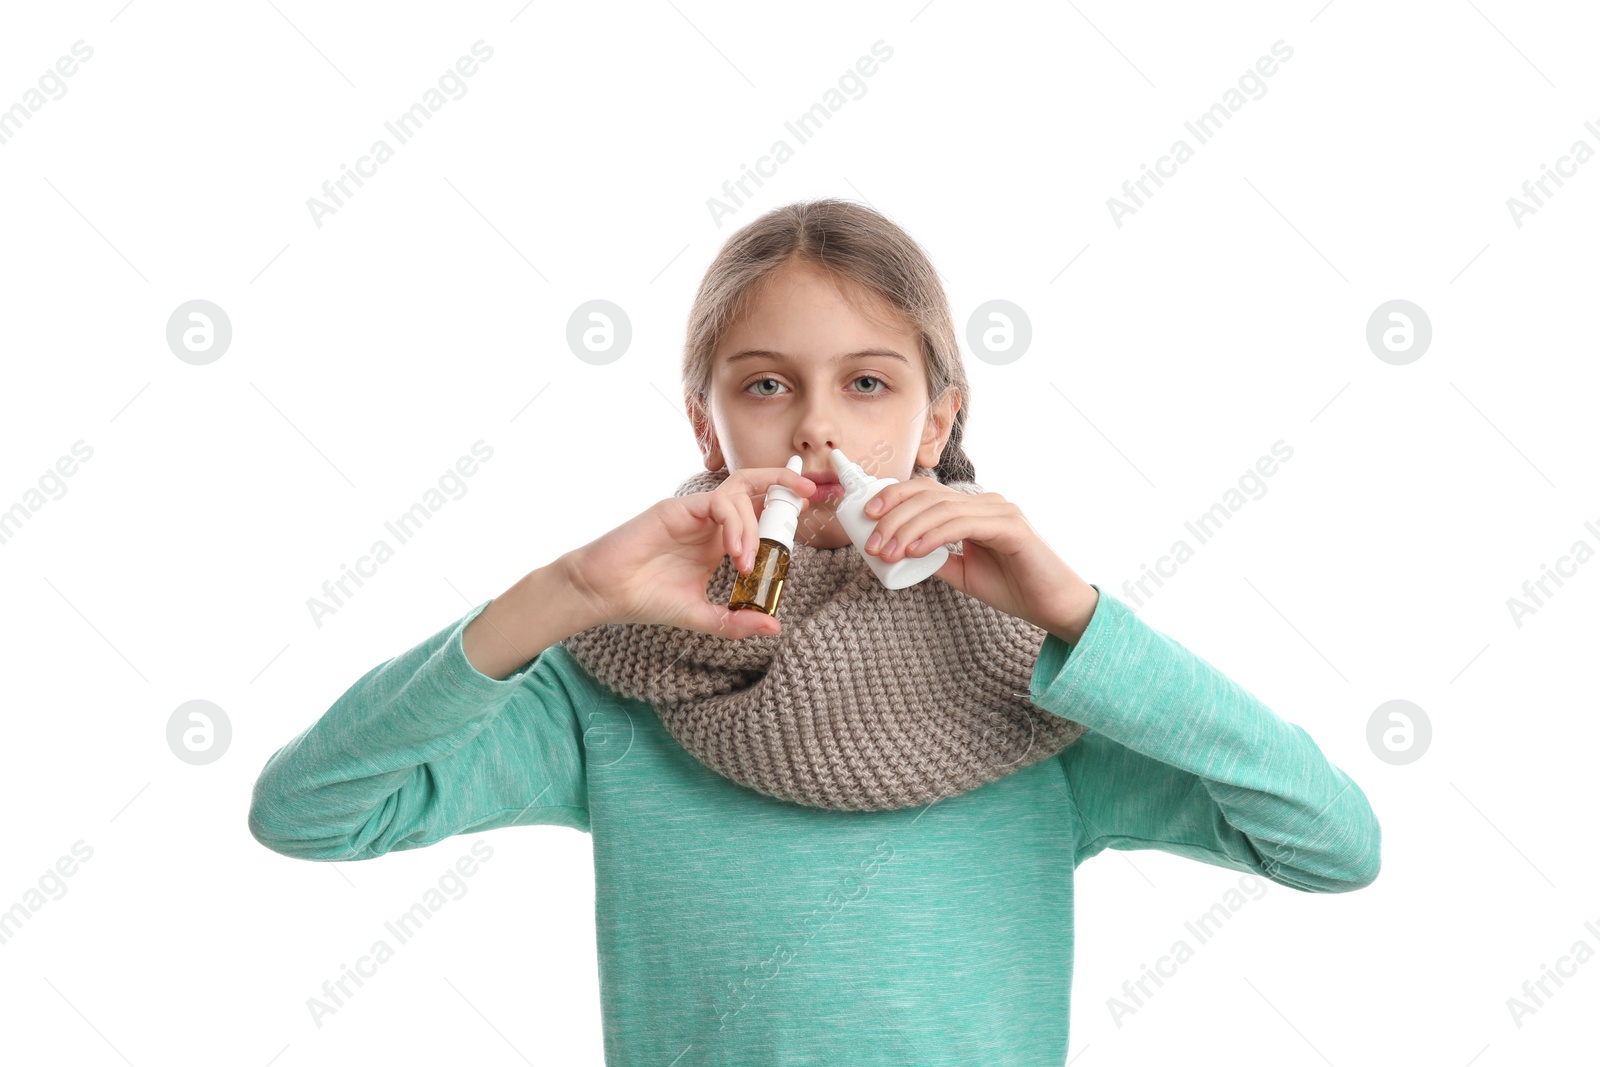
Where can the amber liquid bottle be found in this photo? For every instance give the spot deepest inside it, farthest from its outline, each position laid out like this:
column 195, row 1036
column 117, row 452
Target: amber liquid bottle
column 761, row 589
column 763, row 586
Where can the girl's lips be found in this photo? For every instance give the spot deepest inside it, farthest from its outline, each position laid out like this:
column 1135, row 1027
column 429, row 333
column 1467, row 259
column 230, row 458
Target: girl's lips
column 827, row 491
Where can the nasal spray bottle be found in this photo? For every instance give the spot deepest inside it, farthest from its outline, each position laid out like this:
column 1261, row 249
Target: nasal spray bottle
column 761, row 588
column 859, row 488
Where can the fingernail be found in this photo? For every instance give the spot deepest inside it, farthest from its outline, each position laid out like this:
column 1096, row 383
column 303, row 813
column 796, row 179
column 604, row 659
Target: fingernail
column 888, row 548
column 872, row 542
column 874, row 507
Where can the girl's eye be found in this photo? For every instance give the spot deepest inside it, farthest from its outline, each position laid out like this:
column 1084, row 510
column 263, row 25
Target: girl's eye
column 755, row 385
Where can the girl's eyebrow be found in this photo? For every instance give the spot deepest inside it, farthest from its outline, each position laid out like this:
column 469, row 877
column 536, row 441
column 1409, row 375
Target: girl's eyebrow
column 865, row 353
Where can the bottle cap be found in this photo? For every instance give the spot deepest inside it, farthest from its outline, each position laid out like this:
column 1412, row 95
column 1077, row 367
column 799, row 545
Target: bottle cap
column 851, row 476
column 860, row 487
column 780, row 515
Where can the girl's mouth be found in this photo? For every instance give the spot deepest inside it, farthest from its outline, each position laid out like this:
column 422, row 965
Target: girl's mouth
column 827, row 491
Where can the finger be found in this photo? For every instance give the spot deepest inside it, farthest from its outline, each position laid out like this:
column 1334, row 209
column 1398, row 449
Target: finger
column 760, row 503
column 733, row 624
column 987, row 529
column 752, row 506
column 747, row 487
column 725, row 513
column 750, row 541
column 892, row 525
column 798, row 482
column 891, row 496
column 755, row 481
column 882, row 502
column 750, row 536
column 945, row 520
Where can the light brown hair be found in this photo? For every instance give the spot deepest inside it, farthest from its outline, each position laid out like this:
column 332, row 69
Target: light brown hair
column 866, row 253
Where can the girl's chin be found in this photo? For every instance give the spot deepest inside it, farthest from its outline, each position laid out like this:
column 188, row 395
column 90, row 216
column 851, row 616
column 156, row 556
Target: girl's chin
column 824, row 530
column 828, row 542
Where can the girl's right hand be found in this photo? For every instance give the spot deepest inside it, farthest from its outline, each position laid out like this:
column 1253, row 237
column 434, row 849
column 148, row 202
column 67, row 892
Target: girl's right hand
column 654, row 568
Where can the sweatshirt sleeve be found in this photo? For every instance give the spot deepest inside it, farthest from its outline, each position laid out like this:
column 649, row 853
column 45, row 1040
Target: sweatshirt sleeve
column 1179, row 757
column 425, row 746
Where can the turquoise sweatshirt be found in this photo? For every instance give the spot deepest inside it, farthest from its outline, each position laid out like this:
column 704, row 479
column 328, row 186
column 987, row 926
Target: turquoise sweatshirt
column 737, row 929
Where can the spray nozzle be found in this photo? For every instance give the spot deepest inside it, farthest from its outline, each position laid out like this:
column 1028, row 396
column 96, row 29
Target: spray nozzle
column 851, row 475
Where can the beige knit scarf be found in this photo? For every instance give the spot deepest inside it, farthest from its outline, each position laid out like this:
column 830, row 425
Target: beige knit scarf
column 869, row 698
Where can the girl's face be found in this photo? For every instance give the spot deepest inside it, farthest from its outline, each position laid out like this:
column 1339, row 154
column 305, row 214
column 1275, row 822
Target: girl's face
column 804, row 372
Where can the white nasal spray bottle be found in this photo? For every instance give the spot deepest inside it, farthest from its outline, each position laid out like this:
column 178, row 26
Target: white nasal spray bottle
column 859, row 488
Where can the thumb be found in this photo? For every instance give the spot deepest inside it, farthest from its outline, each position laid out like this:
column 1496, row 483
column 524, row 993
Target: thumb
column 733, row 624
column 953, row 571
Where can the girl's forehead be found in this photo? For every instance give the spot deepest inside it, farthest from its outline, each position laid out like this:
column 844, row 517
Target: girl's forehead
column 815, row 328
column 815, row 288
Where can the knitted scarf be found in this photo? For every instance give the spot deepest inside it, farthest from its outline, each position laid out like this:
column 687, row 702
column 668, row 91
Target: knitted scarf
column 869, row 698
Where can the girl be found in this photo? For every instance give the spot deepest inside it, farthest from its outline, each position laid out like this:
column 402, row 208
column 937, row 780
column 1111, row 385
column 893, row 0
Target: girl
column 846, row 833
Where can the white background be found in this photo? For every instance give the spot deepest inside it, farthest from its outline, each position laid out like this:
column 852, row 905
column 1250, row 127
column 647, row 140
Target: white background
column 429, row 312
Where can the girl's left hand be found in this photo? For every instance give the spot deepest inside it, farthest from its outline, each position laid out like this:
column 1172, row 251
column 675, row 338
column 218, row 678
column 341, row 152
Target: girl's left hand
column 1004, row 562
